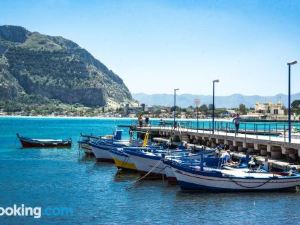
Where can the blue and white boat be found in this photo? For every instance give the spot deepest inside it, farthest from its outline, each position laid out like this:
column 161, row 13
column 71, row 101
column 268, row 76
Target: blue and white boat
column 206, row 178
column 84, row 143
column 189, row 159
column 147, row 159
column 122, row 160
column 101, row 148
column 152, row 160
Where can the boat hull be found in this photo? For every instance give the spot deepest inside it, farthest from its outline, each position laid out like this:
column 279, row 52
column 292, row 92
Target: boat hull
column 41, row 144
column 86, row 148
column 88, row 151
column 123, row 161
column 170, row 174
column 144, row 164
column 191, row 181
column 102, row 153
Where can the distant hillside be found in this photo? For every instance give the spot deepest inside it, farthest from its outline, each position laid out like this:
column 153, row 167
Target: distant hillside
column 46, row 67
column 231, row 101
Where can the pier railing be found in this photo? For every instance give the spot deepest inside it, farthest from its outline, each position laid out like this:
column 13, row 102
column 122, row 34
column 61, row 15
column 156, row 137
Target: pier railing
column 275, row 131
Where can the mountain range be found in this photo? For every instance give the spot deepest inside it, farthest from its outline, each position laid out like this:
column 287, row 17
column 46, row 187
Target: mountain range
column 231, row 101
column 54, row 68
column 37, row 68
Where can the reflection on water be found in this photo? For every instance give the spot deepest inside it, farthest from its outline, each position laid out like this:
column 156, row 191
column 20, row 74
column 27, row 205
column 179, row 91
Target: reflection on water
column 124, row 176
column 83, row 158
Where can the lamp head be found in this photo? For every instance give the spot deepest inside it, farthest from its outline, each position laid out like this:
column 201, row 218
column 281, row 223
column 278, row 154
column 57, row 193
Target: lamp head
column 292, row 63
column 176, row 89
column 216, row 81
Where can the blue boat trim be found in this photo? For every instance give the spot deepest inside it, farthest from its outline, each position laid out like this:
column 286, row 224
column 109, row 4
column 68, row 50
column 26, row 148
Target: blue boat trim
column 140, row 154
column 120, row 153
column 218, row 173
column 196, row 187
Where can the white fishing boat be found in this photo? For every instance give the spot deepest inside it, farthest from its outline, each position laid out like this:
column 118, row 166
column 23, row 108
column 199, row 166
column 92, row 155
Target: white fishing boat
column 122, row 160
column 151, row 159
column 170, row 174
column 85, row 140
column 101, row 149
column 147, row 161
column 189, row 159
column 87, row 148
column 197, row 178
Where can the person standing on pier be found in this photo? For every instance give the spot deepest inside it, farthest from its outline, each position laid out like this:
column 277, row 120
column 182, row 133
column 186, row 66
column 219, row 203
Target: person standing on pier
column 147, row 121
column 140, row 120
column 236, row 122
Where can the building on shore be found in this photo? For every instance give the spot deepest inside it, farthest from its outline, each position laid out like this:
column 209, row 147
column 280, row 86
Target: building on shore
column 269, row 108
column 268, row 111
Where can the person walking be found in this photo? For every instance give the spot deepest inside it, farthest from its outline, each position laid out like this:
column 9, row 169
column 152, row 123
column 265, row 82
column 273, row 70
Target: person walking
column 236, row 122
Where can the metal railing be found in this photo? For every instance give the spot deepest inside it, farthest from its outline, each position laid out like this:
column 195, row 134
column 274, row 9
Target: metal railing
column 276, row 131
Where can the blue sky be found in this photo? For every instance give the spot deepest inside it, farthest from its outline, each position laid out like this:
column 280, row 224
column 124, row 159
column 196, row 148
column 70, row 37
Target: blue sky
column 156, row 46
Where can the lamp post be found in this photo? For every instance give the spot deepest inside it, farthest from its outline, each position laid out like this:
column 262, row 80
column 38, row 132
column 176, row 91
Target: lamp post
column 289, row 100
column 174, row 124
column 213, row 106
column 197, row 103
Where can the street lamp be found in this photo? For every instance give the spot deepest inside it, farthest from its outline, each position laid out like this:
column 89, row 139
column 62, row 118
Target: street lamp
column 289, row 102
column 197, row 103
column 213, row 106
column 176, row 89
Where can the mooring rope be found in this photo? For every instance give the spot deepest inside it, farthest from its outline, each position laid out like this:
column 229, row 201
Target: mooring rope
column 143, row 177
column 260, row 185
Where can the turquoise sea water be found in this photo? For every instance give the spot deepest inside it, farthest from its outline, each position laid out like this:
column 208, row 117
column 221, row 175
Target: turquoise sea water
column 93, row 193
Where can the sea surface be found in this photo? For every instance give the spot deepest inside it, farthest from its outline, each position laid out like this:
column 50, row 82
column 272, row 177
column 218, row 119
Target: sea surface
column 77, row 190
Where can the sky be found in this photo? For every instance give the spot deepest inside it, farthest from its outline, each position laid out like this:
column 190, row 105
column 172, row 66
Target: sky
column 156, row 46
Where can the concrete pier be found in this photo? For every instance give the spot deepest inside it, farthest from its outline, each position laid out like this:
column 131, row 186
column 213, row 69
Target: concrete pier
column 276, row 148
